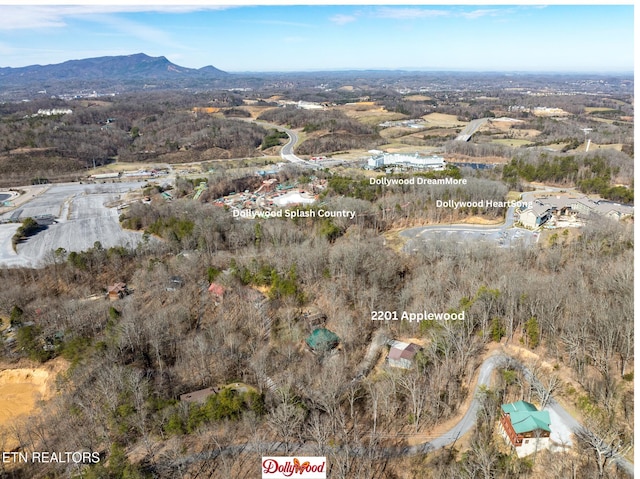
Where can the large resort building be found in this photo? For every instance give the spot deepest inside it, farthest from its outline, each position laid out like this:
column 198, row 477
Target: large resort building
column 381, row 159
column 548, row 207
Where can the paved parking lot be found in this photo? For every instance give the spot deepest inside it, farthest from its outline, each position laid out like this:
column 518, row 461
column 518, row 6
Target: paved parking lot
column 504, row 238
column 81, row 219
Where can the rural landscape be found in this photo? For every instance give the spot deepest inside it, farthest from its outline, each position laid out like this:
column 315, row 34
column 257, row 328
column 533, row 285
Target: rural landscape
column 411, row 274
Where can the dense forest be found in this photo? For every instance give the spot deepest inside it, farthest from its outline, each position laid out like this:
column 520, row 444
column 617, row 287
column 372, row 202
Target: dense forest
column 335, row 131
column 591, row 174
column 570, row 301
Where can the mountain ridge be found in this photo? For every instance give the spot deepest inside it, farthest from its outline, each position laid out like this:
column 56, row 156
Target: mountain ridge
column 131, row 70
column 137, row 63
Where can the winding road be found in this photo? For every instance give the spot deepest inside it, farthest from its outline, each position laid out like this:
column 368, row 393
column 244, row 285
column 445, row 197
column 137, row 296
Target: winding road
column 286, row 152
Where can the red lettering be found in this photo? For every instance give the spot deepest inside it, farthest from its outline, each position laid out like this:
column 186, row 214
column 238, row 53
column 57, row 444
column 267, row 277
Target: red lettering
column 270, row 466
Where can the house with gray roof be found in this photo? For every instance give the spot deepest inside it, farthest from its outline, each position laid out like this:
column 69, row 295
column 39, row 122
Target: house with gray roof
column 535, row 216
column 614, row 211
column 584, row 206
column 546, row 207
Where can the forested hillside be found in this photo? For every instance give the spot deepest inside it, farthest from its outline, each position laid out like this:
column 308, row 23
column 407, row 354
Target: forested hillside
column 130, row 360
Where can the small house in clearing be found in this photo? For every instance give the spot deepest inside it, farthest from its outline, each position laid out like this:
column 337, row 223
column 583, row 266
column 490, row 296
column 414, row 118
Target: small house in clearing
column 314, row 317
column 322, row 340
column 525, row 428
column 401, row 354
column 199, row 396
column 117, row 291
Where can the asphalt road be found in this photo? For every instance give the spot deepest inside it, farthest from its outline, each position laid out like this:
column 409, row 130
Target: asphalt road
column 470, row 129
column 286, row 152
column 469, row 419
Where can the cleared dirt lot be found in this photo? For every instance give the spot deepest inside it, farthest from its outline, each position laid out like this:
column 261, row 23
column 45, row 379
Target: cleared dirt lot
column 81, row 219
column 20, row 389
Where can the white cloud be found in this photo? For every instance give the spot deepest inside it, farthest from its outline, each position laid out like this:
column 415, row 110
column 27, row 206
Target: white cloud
column 137, row 30
column 486, row 12
column 31, row 17
column 283, row 23
column 341, row 19
column 409, row 13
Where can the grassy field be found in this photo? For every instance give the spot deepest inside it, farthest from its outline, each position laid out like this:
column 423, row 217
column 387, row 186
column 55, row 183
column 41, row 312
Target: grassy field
column 595, row 109
column 255, row 110
column 401, row 147
column 417, row 98
column 396, row 132
column 235, row 163
column 556, row 146
column 512, row 142
column 393, row 240
column 608, row 121
column 443, row 120
column 438, row 132
column 513, row 195
column 504, row 126
column 369, row 113
column 594, row 146
column 125, row 167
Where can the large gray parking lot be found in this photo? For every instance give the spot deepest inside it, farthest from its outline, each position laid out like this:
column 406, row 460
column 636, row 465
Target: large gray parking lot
column 81, row 219
column 504, row 238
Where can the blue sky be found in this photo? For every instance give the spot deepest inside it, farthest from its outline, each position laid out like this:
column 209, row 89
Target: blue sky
column 595, row 38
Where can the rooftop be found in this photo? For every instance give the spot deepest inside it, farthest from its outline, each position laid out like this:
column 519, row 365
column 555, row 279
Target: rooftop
column 199, row 396
column 525, row 417
column 402, row 350
column 322, row 339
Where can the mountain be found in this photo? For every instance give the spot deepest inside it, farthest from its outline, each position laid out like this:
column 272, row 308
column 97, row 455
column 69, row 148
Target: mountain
column 126, row 71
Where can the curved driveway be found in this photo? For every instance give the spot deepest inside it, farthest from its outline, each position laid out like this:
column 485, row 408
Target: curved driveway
column 287, row 150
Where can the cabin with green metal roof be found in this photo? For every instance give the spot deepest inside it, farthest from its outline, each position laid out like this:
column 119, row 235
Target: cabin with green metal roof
column 322, row 340
column 525, row 428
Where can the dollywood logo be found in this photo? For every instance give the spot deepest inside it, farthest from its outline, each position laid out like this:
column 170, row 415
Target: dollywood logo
column 287, row 467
